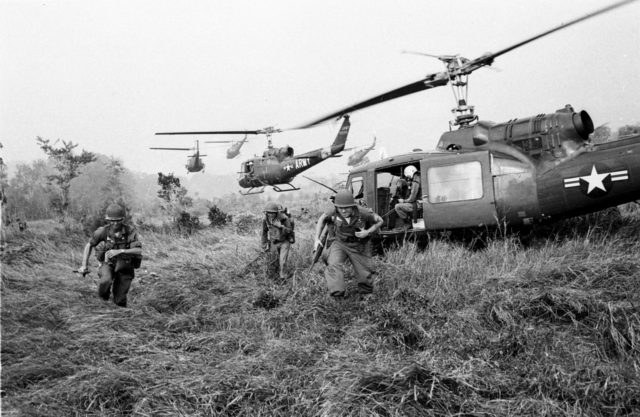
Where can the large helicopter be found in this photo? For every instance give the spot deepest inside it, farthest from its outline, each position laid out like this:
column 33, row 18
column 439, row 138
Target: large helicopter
column 277, row 167
column 485, row 174
column 194, row 162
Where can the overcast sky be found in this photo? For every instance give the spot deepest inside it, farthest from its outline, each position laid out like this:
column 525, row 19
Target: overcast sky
column 107, row 75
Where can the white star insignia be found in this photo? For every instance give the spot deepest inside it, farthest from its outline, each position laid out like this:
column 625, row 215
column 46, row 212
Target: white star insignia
column 595, row 180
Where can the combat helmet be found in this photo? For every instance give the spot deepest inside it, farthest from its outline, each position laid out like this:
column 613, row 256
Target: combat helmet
column 344, row 198
column 114, row 212
column 272, row 207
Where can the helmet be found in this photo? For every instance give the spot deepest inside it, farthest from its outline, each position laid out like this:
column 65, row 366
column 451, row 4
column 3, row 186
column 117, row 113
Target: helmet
column 272, row 207
column 114, row 212
column 344, row 198
column 409, row 171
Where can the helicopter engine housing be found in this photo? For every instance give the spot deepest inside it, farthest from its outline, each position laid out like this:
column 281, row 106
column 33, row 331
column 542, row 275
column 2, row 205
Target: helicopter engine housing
column 546, row 136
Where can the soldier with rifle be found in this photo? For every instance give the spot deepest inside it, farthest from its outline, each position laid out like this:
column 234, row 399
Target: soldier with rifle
column 352, row 227
column 277, row 237
column 119, row 251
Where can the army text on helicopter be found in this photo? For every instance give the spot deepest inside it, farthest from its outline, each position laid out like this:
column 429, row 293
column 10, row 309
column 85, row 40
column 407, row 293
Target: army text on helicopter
column 277, row 167
column 483, row 174
column 194, row 163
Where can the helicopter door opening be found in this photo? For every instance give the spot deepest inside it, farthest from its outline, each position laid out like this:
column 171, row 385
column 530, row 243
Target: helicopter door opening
column 356, row 185
column 458, row 191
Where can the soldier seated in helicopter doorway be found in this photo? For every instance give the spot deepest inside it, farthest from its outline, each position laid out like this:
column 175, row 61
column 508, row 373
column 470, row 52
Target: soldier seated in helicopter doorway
column 404, row 208
column 277, row 237
column 119, row 252
column 352, row 228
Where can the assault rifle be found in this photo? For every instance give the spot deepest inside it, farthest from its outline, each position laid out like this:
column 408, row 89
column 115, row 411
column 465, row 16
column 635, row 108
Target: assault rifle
column 318, row 251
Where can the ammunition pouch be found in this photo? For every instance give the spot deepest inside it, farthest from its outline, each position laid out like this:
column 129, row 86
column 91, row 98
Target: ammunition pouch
column 127, row 263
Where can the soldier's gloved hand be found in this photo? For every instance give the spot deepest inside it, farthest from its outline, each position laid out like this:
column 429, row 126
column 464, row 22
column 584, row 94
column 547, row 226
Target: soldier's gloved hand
column 317, row 244
column 362, row 233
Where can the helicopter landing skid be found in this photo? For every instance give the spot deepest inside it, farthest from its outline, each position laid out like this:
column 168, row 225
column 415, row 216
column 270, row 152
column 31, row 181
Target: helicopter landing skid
column 258, row 190
column 280, row 190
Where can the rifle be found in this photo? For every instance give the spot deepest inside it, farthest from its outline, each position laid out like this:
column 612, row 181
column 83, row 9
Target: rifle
column 84, row 274
column 318, row 251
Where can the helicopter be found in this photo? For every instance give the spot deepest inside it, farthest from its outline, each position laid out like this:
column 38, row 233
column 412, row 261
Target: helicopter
column 232, row 151
column 483, row 174
column 194, row 163
column 277, row 167
column 358, row 156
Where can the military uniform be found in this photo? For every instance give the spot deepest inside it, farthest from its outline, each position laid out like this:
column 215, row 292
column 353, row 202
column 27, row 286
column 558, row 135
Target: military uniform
column 117, row 273
column 277, row 236
column 347, row 246
column 404, row 208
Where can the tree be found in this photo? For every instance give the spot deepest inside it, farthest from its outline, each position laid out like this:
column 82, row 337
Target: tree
column 27, row 191
column 175, row 200
column 68, row 166
column 629, row 130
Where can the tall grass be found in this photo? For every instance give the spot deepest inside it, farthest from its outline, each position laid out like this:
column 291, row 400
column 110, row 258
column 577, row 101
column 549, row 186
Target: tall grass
column 548, row 325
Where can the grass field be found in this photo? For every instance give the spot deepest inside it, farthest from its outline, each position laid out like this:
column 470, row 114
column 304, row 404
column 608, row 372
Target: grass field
column 550, row 327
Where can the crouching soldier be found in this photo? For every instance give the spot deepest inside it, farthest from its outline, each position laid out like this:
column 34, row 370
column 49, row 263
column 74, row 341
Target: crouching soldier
column 277, row 236
column 352, row 228
column 119, row 252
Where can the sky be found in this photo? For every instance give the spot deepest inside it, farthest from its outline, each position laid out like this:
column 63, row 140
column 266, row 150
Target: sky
column 107, row 75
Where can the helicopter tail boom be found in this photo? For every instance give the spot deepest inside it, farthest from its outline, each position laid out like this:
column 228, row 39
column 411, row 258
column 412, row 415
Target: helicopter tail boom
column 338, row 144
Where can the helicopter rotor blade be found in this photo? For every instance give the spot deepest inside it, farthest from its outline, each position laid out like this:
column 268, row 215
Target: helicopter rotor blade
column 215, row 132
column 487, row 59
column 430, row 81
column 464, row 67
column 174, row 149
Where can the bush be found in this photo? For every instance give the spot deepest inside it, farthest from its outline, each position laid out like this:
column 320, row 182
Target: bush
column 187, row 223
column 245, row 223
column 218, row 218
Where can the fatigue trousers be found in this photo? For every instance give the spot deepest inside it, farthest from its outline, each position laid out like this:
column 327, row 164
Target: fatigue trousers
column 404, row 210
column 360, row 256
column 277, row 259
column 116, row 282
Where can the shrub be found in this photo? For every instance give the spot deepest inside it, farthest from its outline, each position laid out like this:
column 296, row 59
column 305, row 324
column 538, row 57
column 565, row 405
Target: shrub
column 217, row 217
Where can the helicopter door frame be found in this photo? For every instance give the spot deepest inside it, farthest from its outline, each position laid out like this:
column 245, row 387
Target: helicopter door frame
column 458, row 191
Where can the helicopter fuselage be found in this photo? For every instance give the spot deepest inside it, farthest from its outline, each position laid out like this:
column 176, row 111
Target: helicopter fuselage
column 279, row 166
column 517, row 173
column 194, row 164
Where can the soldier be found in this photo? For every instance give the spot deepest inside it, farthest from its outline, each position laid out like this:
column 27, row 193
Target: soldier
column 277, row 236
column 352, row 228
column 405, row 207
column 119, row 252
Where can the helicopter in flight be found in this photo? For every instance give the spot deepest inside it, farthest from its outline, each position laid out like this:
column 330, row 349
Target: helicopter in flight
column 232, row 151
column 194, row 162
column 484, row 174
column 277, row 167
column 358, row 156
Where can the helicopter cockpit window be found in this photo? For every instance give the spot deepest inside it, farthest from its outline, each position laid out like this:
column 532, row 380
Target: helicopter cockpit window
column 246, row 167
column 455, row 182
